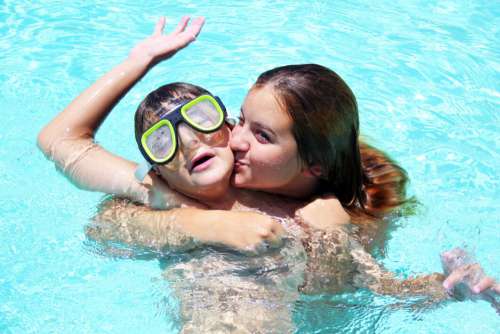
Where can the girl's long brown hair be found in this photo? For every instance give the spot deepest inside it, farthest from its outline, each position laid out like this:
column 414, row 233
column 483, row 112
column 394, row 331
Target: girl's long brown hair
column 384, row 183
column 326, row 127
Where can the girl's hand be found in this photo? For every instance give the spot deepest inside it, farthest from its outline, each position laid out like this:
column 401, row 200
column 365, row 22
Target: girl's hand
column 246, row 231
column 158, row 46
column 473, row 276
column 465, row 277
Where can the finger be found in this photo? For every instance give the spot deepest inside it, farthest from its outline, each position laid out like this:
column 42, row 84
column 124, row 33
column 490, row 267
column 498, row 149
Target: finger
column 182, row 25
column 159, row 26
column 264, row 232
column 189, row 34
column 277, row 229
column 484, row 284
column 453, row 279
column 195, row 27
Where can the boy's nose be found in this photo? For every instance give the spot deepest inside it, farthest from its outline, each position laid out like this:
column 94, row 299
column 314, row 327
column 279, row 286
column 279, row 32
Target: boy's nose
column 188, row 137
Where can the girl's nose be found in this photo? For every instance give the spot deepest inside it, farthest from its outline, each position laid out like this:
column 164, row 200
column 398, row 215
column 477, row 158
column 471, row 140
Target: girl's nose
column 238, row 141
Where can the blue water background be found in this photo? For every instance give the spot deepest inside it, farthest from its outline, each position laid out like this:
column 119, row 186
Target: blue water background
column 427, row 78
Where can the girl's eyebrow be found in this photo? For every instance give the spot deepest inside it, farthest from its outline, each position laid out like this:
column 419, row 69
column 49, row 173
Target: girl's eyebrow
column 258, row 124
column 265, row 127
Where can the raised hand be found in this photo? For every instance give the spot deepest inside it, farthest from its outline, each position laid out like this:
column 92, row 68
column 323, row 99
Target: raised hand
column 159, row 46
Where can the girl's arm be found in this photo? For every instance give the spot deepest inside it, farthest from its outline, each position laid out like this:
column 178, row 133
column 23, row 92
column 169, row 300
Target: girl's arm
column 337, row 262
column 69, row 138
column 121, row 221
column 371, row 275
column 134, row 225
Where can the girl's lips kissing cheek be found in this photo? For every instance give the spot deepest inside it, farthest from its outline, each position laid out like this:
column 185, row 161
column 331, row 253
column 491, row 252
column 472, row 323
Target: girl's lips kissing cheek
column 239, row 165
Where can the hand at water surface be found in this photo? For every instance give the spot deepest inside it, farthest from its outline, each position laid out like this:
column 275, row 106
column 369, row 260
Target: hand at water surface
column 460, row 267
column 158, row 46
column 466, row 279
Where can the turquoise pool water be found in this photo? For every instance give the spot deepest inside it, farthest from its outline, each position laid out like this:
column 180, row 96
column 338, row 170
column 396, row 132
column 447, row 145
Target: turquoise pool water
column 427, row 78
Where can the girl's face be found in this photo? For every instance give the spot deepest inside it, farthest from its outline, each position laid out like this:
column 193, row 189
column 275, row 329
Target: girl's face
column 202, row 165
column 265, row 150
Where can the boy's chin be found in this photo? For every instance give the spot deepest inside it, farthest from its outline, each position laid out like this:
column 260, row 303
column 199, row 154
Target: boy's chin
column 239, row 181
column 210, row 178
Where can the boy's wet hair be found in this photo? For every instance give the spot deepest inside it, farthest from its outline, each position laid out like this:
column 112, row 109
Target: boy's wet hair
column 165, row 97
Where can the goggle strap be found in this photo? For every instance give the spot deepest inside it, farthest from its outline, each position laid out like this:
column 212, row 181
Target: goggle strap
column 142, row 170
column 231, row 122
column 219, row 101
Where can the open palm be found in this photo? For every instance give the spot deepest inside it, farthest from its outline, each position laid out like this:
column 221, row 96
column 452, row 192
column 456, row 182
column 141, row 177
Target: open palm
column 158, row 46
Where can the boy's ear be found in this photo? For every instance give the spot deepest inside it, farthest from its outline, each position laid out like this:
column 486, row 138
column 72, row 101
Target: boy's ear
column 313, row 171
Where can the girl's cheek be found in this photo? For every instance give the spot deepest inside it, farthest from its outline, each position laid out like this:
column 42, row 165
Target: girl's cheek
column 264, row 157
column 277, row 159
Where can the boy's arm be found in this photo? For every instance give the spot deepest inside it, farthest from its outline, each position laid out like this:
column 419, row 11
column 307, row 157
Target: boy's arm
column 69, row 138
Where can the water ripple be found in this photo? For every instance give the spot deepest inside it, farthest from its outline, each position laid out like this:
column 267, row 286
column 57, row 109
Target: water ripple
column 426, row 75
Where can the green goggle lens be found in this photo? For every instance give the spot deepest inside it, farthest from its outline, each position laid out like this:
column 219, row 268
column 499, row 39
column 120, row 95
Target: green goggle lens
column 159, row 144
column 204, row 114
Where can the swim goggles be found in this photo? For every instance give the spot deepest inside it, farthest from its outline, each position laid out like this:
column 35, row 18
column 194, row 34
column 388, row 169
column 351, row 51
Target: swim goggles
column 158, row 144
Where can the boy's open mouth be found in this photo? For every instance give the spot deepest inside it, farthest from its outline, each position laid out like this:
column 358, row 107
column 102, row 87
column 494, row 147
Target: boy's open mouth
column 201, row 161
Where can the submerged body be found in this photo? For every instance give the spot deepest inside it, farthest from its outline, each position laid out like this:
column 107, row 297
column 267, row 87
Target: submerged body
column 225, row 291
column 222, row 291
